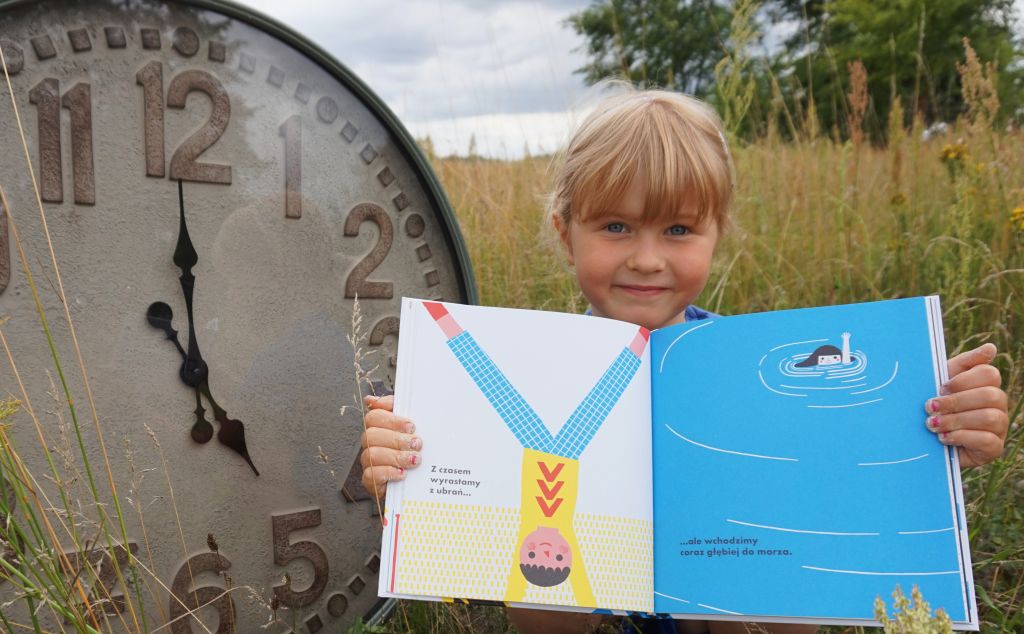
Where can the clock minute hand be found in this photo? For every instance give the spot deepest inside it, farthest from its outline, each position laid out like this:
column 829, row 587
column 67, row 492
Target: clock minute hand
column 193, row 370
column 232, row 431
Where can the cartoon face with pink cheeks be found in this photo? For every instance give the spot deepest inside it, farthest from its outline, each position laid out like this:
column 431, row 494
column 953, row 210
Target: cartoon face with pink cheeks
column 545, row 557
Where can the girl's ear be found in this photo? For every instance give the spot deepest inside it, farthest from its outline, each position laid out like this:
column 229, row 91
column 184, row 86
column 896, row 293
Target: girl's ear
column 563, row 234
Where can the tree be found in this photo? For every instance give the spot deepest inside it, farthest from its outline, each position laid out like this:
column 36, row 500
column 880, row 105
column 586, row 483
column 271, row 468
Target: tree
column 674, row 44
column 910, row 49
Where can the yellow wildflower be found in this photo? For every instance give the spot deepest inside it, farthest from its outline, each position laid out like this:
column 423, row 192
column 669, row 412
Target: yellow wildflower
column 1017, row 217
column 953, row 152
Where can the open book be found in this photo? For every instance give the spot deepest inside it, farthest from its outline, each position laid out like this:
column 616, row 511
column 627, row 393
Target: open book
column 765, row 467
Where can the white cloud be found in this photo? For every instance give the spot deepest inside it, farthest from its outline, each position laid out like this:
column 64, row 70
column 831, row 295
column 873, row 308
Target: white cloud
column 499, row 71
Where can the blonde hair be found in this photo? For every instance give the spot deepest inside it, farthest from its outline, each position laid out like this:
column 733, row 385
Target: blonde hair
column 672, row 142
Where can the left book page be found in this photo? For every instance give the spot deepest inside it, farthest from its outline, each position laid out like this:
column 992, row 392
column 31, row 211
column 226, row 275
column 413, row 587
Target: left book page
column 535, row 482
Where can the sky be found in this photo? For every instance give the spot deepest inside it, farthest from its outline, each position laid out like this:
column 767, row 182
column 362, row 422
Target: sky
column 498, row 71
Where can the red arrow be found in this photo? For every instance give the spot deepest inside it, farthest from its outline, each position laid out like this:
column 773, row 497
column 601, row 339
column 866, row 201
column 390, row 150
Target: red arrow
column 549, row 494
column 548, row 510
column 550, row 475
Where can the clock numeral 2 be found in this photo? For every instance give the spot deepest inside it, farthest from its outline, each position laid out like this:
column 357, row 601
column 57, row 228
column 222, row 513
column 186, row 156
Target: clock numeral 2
column 45, row 96
column 357, row 284
column 184, row 163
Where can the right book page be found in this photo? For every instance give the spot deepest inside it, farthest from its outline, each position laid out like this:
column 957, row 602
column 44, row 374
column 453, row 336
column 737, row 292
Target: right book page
column 794, row 477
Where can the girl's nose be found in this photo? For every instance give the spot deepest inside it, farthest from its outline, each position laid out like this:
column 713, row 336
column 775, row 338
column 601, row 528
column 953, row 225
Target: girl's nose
column 646, row 257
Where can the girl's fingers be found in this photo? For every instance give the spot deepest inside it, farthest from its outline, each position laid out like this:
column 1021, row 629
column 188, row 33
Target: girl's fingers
column 379, row 402
column 975, row 448
column 978, row 376
column 987, row 396
column 384, row 457
column 379, row 437
column 384, row 419
column 376, row 479
column 981, row 355
column 991, row 420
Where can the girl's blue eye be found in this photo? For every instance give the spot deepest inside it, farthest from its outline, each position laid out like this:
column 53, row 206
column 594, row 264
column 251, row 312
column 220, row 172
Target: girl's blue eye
column 678, row 230
column 615, row 227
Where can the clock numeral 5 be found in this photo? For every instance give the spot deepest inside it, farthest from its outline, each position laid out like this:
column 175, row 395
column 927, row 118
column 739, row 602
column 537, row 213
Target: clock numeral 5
column 184, row 163
column 285, row 552
column 45, row 96
column 183, row 601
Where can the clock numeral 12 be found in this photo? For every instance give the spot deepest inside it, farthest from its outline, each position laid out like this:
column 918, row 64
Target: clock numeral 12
column 183, row 162
column 45, row 96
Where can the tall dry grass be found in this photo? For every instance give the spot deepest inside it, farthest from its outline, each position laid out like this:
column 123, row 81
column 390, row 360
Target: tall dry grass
column 820, row 222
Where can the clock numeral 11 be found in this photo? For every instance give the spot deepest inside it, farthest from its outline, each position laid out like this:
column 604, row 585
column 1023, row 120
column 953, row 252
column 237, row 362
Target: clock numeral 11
column 184, row 163
column 45, row 96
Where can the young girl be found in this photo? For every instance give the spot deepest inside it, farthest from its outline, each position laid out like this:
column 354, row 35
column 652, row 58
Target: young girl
column 639, row 205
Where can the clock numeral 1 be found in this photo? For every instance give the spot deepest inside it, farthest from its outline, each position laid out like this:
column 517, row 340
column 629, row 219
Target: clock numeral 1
column 183, row 600
column 45, row 96
column 184, row 163
column 291, row 130
column 284, row 552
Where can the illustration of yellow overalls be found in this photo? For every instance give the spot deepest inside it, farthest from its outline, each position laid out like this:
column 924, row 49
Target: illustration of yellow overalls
column 548, row 550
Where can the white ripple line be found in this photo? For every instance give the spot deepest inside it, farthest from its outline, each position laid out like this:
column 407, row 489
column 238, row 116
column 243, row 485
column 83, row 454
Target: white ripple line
column 711, row 607
column 797, row 530
column 937, row 530
column 894, row 372
column 875, row 464
column 661, row 367
column 669, row 596
column 850, row 405
column 765, row 384
column 885, row 574
column 738, row 453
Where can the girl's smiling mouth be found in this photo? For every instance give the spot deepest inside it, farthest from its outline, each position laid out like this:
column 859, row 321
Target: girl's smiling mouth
column 641, row 290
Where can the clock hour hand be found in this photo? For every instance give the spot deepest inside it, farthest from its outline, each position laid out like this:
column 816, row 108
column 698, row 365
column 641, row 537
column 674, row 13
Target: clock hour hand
column 232, row 432
column 159, row 315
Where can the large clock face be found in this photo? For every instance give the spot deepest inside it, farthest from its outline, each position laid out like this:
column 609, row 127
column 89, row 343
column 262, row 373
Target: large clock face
column 213, row 320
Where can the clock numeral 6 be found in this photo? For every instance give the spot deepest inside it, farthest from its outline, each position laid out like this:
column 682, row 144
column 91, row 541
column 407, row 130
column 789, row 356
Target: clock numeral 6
column 45, row 96
column 184, row 163
column 184, row 601
column 285, row 552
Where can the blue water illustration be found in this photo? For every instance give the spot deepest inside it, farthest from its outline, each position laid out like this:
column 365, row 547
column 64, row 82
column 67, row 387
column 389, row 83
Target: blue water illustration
column 794, row 475
column 827, row 376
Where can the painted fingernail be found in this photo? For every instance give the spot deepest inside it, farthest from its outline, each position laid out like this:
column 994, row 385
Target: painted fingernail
column 933, row 422
column 414, row 459
column 933, row 405
column 944, row 389
column 415, row 443
column 410, row 428
column 944, row 436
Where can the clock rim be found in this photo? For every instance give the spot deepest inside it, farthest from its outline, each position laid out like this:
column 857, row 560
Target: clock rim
column 410, row 150
column 404, row 141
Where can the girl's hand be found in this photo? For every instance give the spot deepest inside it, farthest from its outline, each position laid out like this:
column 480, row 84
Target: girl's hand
column 971, row 414
column 389, row 446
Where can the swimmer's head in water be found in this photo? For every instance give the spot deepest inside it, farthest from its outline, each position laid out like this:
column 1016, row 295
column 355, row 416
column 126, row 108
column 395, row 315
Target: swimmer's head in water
column 545, row 557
